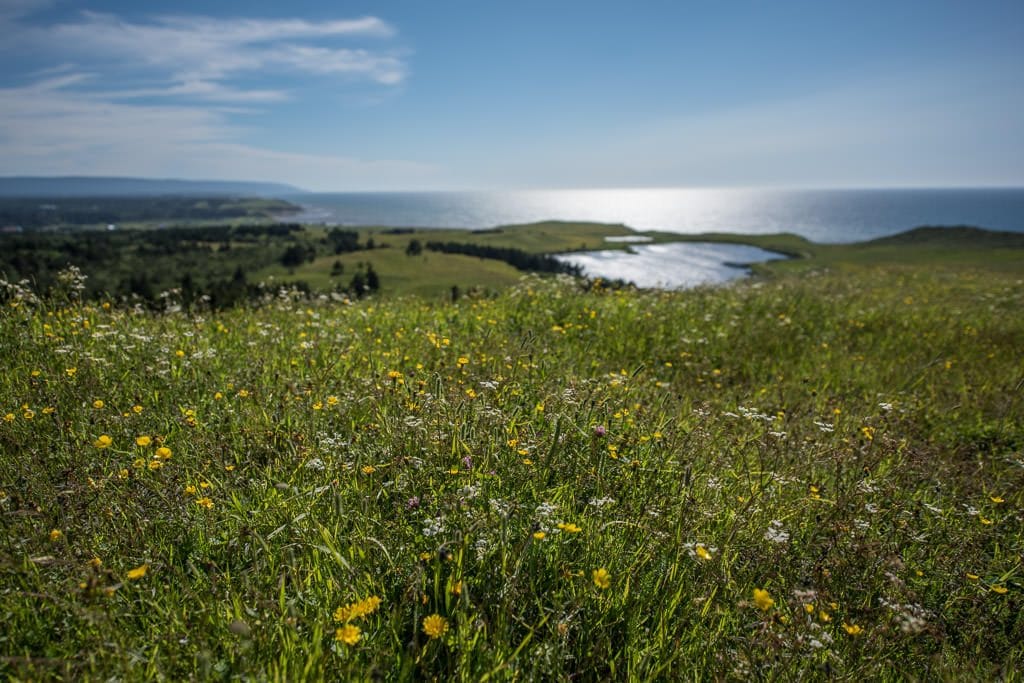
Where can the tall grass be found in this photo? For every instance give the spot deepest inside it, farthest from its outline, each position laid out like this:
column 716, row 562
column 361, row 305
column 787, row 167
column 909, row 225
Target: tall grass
column 782, row 479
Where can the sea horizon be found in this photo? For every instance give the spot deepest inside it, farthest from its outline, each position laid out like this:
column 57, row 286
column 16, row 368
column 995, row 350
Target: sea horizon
column 823, row 215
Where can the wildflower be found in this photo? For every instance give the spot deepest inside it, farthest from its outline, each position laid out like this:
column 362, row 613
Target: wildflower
column 218, row 396
column 179, row 353
column 996, row 499
column 599, row 430
column 164, row 453
column 103, row 441
column 97, row 404
column 205, row 502
column 332, row 400
column 763, row 599
column 190, row 490
column 602, row 579
column 539, row 535
column 868, row 432
column 155, row 464
column 9, row 417
column 435, row 626
column 972, row 577
column 702, row 552
column 984, row 520
column 55, row 535
column 852, row 629
column 998, row 588
column 95, row 563
column 412, row 503
column 136, row 409
column 143, row 440
column 462, row 361
column 348, row 634
column 569, row 527
column 824, row 616
column 357, row 609
column 809, row 608
column 138, row 572
column 369, row 469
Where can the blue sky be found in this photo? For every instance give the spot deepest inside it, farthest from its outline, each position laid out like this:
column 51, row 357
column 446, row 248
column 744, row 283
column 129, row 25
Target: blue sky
column 484, row 95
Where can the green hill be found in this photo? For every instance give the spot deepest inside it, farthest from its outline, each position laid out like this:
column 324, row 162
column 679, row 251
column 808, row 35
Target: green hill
column 794, row 478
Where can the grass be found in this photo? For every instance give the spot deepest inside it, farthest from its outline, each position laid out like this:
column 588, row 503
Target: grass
column 961, row 249
column 815, row 476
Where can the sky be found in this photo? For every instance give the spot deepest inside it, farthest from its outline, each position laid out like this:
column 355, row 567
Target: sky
column 415, row 95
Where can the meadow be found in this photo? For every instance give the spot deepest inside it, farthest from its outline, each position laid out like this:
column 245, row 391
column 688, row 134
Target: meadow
column 815, row 476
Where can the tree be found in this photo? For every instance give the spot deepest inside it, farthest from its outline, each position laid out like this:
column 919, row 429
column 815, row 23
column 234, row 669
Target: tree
column 415, row 248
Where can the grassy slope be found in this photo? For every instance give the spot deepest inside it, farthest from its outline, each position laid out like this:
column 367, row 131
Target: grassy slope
column 961, row 248
column 848, row 442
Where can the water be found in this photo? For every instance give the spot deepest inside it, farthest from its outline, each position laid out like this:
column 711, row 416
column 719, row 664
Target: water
column 672, row 266
column 819, row 215
column 834, row 216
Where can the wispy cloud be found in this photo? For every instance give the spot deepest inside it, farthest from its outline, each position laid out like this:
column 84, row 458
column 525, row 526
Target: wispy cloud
column 161, row 96
column 47, row 129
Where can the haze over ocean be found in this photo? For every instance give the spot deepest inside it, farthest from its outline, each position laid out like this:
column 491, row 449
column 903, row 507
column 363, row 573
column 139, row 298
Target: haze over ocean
column 819, row 215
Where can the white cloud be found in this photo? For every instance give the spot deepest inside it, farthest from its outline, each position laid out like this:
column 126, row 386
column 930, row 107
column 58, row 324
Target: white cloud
column 160, row 97
column 204, row 49
column 47, row 130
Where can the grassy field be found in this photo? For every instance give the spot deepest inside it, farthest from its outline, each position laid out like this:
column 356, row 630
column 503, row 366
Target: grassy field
column 432, row 274
column 801, row 477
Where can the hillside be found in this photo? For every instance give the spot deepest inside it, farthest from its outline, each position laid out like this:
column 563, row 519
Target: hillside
column 794, row 478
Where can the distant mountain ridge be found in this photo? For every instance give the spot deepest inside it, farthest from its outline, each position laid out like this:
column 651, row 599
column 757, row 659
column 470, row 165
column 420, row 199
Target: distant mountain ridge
column 103, row 186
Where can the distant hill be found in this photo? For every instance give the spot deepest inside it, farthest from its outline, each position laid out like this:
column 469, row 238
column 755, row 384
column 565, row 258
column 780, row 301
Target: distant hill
column 99, row 186
column 954, row 236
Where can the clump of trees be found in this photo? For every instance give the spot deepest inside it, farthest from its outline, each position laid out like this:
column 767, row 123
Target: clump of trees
column 517, row 258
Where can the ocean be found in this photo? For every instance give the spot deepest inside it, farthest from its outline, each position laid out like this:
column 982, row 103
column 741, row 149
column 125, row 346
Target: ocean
column 820, row 215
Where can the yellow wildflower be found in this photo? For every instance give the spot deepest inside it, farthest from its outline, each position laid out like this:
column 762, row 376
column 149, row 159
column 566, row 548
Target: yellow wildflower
column 205, row 502
column 138, row 572
column 435, row 626
column 97, row 404
column 56, row 534
column 996, row 499
column 539, row 535
column 569, row 527
column 104, row 441
column 998, row 588
column 357, row 609
column 702, row 552
column 763, row 599
column 369, row 469
column 348, row 634
column 143, row 440
column 852, row 629
column 602, row 579
column 164, row 453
